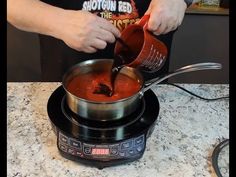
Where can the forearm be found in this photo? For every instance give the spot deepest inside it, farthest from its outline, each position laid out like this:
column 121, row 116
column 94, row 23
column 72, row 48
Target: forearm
column 35, row 16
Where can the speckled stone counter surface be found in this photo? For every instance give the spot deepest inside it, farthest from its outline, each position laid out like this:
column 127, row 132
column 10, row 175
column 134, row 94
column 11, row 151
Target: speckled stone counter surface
column 180, row 146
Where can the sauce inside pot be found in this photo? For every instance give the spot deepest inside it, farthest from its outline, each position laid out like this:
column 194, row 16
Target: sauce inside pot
column 83, row 86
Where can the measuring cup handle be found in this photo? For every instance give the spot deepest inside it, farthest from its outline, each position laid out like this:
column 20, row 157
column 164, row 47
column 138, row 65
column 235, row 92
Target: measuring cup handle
column 144, row 20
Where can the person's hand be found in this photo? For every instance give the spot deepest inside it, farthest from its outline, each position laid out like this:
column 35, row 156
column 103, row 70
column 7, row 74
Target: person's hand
column 84, row 31
column 165, row 15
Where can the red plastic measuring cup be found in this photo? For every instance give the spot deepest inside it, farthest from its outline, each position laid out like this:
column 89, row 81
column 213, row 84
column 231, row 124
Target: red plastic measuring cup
column 148, row 53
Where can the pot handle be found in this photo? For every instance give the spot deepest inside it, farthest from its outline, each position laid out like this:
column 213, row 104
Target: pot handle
column 189, row 68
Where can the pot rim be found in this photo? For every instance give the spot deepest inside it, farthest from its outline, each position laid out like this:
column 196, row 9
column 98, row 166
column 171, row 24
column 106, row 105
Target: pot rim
column 99, row 102
column 104, row 102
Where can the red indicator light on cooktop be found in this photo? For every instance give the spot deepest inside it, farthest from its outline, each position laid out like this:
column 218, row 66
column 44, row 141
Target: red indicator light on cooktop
column 100, row 151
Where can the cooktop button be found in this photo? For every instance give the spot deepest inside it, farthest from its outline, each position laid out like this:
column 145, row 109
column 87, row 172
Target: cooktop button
column 126, row 145
column 114, row 151
column 139, row 148
column 139, row 140
column 87, row 150
column 122, row 154
column 63, row 138
column 75, row 144
column 63, row 148
column 131, row 151
column 71, row 151
column 78, row 153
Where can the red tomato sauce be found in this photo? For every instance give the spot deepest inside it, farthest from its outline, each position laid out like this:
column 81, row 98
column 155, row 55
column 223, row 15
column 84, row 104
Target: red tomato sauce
column 84, row 85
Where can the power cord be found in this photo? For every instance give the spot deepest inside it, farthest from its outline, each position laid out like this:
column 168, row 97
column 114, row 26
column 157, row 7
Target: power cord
column 221, row 145
column 215, row 156
column 191, row 93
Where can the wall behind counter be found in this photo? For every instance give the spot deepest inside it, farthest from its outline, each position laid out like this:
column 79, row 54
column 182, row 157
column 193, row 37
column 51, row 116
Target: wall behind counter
column 23, row 62
column 200, row 38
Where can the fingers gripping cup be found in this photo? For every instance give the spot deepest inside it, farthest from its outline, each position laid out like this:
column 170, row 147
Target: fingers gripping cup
column 144, row 50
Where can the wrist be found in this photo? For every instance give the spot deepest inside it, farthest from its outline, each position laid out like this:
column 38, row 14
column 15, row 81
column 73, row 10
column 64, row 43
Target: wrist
column 56, row 22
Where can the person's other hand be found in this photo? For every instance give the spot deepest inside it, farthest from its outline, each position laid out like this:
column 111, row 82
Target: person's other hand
column 84, row 31
column 165, row 15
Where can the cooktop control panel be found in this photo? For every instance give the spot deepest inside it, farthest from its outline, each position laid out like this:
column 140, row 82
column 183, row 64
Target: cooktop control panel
column 126, row 149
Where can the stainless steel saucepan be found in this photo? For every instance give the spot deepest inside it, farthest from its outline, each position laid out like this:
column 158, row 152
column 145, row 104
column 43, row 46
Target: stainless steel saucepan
column 113, row 110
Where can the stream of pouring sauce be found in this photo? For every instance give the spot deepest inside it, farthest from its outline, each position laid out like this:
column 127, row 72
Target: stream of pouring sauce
column 121, row 58
column 124, row 57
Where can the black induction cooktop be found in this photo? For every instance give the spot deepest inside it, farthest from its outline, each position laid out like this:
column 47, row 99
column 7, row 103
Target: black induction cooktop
column 102, row 143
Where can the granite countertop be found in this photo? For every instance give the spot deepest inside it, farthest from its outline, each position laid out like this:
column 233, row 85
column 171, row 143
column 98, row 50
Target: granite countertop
column 180, row 146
